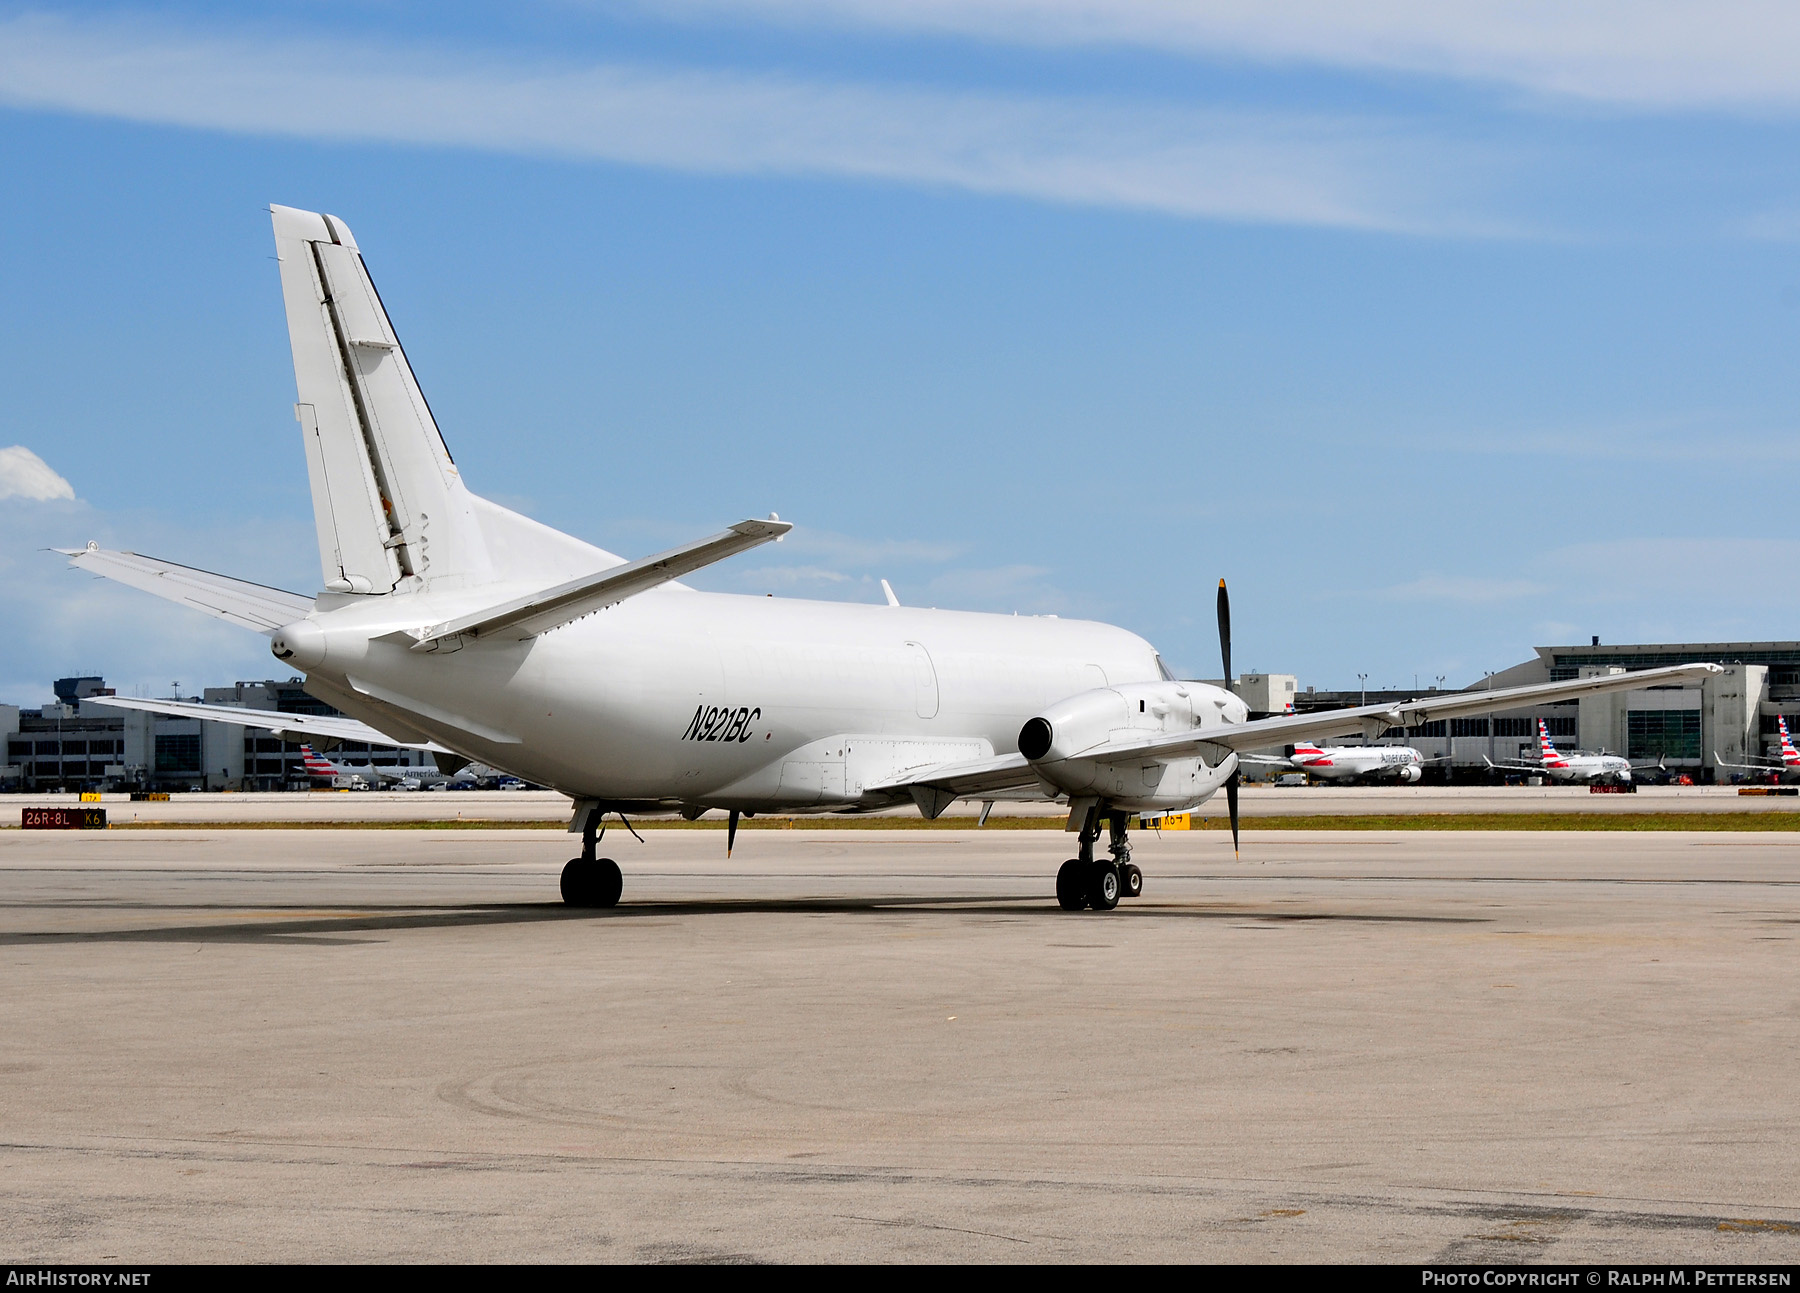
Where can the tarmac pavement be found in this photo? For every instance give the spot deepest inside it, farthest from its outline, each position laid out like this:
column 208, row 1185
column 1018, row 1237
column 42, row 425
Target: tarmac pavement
column 385, row 1045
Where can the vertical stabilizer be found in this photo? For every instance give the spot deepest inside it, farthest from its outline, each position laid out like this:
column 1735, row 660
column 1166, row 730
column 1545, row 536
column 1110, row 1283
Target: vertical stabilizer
column 391, row 509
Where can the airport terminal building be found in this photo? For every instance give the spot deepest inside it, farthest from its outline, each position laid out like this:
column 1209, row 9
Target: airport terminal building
column 1730, row 717
column 75, row 744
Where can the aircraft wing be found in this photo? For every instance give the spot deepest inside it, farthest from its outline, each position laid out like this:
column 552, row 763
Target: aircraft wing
column 248, row 605
column 1767, row 766
column 1371, row 720
column 1010, row 776
column 287, row 725
column 539, row 612
column 1513, row 767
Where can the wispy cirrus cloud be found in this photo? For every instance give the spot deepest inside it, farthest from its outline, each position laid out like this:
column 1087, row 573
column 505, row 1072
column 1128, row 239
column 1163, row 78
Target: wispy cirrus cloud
column 1339, row 169
column 1658, row 54
column 1468, row 590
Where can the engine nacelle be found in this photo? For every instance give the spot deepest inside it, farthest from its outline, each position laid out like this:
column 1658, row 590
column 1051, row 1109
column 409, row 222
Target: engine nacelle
column 1058, row 742
column 1410, row 773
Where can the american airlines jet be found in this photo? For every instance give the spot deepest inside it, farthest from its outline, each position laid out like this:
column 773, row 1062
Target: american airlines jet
column 1346, row 763
column 448, row 623
column 406, row 776
column 1790, row 757
column 1574, row 767
column 317, row 765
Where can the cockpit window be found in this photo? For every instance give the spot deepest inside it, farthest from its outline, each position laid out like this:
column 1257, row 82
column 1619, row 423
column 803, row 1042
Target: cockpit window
column 1163, row 669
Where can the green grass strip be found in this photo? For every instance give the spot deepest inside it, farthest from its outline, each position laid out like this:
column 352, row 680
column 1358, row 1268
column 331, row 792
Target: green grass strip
column 1533, row 821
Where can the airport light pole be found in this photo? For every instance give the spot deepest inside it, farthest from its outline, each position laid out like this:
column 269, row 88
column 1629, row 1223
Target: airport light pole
column 1363, row 678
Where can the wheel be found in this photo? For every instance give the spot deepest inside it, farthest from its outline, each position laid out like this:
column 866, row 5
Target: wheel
column 1071, row 886
column 609, row 883
column 592, row 884
column 1103, row 886
column 1131, row 881
column 577, row 878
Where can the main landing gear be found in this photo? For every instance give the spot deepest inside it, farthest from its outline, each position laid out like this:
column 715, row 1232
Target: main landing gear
column 1084, row 882
column 590, row 881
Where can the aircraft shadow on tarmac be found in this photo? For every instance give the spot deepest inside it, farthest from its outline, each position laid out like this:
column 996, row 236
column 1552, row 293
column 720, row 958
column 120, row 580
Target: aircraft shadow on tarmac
column 339, row 930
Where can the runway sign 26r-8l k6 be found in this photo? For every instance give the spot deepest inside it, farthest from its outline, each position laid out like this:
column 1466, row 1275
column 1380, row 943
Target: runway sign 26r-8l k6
column 63, row 819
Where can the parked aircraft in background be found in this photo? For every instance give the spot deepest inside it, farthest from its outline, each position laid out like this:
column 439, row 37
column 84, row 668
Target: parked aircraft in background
column 449, row 623
column 322, row 768
column 1789, row 761
column 1583, row 768
column 404, row 776
column 1349, row 763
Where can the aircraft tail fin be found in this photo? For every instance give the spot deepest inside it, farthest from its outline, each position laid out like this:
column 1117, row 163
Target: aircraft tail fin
column 1789, row 755
column 387, row 499
column 316, row 764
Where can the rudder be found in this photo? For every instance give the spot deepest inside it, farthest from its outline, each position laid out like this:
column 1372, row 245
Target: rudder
column 388, row 502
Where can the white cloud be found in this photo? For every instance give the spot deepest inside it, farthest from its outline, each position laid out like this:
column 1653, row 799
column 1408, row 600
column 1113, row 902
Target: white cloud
column 1463, row 589
column 25, row 475
column 1758, row 574
column 827, row 546
column 762, row 577
column 1336, row 169
column 1000, row 588
column 1639, row 53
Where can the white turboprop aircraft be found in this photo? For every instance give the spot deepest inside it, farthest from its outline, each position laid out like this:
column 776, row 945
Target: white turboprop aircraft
column 1607, row 768
column 451, row 624
column 1345, row 763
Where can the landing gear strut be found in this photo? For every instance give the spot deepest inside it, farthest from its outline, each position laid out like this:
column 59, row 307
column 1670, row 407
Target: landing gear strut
column 589, row 881
column 1084, row 882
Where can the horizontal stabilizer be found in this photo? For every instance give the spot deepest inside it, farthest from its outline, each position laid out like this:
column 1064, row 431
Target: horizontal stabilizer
column 290, row 726
column 243, row 603
column 539, row 612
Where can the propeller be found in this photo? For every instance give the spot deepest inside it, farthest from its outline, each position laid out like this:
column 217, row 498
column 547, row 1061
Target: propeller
column 1231, row 786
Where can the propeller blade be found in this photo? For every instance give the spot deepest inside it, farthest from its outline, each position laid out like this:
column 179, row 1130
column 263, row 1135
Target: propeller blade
column 1231, row 805
column 1231, row 786
column 1225, row 631
column 731, row 833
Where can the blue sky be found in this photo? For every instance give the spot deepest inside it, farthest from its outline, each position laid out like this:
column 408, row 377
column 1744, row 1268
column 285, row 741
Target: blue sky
column 1440, row 330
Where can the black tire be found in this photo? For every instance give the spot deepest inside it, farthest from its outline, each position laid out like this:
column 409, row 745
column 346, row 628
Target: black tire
column 1072, row 886
column 609, row 883
column 1103, row 886
column 592, row 884
column 577, row 879
column 1131, row 881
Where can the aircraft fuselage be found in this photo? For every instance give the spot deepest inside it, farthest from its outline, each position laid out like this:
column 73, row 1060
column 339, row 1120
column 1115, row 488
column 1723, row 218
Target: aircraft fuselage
column 693, row 698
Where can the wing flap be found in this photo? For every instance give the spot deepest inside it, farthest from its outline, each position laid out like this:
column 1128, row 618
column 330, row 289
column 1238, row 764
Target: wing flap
column 251, row 606
column 1002, row 775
